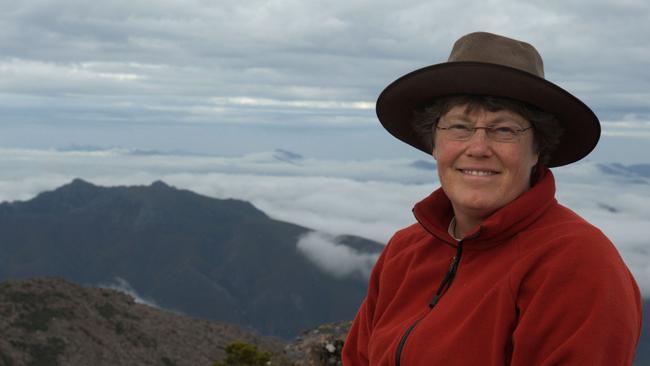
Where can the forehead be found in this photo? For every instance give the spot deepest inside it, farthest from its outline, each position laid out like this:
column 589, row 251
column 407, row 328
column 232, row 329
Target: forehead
column 473, row 113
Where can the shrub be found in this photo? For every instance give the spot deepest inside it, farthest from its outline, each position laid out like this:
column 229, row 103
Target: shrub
column 42, row 354
column 106, row 310
column 244, row 354
column 39, row 319
column 47, row 354
column 6, row 360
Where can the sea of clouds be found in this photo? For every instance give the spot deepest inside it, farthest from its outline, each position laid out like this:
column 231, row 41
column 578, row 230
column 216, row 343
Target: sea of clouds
column 368, row 198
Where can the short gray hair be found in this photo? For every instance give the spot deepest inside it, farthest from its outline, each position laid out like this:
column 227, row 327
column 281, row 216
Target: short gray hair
column 546, row 127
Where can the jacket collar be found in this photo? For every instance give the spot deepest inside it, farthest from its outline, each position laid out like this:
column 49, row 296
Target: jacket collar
column 434, row 213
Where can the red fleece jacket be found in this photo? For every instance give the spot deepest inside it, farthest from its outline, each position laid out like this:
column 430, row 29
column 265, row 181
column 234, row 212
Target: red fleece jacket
column 536, row 285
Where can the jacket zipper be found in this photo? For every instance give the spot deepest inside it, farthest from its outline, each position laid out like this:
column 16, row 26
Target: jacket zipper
column 442, row 289
column 402, row 342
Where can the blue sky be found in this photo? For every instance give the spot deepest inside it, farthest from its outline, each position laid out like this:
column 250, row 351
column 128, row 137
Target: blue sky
column 231, row 78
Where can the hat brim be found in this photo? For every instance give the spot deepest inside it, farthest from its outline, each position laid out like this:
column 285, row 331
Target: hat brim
column 397, row 104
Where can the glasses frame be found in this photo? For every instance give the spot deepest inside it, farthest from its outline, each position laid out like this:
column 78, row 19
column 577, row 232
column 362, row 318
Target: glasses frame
column 489, row 133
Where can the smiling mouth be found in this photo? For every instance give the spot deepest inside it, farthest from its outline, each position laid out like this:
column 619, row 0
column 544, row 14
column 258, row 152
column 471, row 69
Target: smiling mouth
column 478, row 173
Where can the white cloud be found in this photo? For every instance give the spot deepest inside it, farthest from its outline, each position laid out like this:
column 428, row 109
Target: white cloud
column 333, row 205
column 287, row 63
column 37, row 77
column 318, row 104
column 335, row 258
column 629, row 126
column 122, row 285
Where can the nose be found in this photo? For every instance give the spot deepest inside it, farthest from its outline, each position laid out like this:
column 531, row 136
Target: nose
column 479, row 144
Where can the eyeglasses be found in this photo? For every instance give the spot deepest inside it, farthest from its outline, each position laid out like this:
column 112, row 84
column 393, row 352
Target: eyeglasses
column 463, row 132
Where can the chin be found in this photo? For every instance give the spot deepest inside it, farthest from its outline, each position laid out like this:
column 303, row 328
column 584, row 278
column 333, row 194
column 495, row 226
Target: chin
column 482, row 211
column 478, row 208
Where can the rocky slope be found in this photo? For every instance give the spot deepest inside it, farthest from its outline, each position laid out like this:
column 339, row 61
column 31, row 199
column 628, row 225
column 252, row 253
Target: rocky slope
column 49, row 321
column 55, row 322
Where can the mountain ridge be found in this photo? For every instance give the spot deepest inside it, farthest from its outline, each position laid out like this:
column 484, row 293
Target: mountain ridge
column 209, row 258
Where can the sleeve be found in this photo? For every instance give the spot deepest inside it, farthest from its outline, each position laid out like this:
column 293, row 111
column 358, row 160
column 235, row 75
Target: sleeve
column 355, row 349
column 577, row 304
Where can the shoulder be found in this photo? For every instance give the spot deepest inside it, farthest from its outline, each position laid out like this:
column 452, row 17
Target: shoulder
column 562, row 229
column 409, row 234
column 566, row 248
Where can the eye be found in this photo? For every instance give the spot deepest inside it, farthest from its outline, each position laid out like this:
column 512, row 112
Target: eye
column 459, row 127
column 505, row 130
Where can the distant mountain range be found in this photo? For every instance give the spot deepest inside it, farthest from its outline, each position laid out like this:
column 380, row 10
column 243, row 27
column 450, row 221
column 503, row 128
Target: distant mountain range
column 636, row 173
column 628, row 171
column 214, row 259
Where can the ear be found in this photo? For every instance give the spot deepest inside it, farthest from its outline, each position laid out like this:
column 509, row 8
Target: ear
column 434, row 153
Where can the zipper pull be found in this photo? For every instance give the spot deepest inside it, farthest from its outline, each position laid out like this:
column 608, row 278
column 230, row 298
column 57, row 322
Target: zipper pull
column 449, row 276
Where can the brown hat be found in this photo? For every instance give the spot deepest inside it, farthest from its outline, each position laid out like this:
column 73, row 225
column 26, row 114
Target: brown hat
column 488, row 64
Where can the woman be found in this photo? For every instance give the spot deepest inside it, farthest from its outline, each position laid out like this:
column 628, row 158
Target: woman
column 495, row 271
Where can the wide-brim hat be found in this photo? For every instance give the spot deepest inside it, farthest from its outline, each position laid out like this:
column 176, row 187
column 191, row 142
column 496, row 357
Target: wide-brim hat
column 488, row 64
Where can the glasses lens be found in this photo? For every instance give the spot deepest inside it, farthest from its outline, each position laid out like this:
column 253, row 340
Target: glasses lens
column 461, row 132
column 502, row 133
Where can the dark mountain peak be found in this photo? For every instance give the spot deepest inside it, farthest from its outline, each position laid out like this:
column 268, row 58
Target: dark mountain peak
column 78, row 190
column 78, row 182
column 79, row 185
column 641, row 169
column 159, row 184
column 424, row 165
column 287, row 156
column 65, row 198
column 637, row 173
column 135, row 206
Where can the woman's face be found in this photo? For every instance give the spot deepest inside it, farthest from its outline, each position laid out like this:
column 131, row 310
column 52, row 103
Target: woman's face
column 480, row 175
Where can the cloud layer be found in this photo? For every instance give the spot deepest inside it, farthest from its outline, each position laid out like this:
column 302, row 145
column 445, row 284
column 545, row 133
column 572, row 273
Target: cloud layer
column 369, row 198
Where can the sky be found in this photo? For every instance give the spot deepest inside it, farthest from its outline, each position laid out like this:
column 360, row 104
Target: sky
column 231, row 78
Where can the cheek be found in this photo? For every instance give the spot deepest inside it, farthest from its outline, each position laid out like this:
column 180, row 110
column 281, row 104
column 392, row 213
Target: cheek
column 445, row 151
column 524, row 161
column 524, row 156
column 530, row 160
column 535, row 159
column 532, row 153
